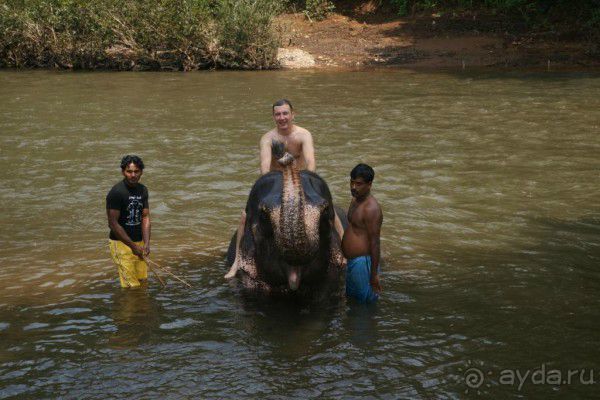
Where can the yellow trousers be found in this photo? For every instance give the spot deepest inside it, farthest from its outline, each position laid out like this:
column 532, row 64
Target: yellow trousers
column 131, row 267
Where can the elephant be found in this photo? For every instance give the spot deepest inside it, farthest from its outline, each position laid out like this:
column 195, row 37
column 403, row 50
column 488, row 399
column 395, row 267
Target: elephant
column 289, row 243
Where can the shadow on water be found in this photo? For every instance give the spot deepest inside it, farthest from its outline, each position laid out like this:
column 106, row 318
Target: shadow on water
column 289, row 326
column 576, row 239
column 537, row 300
column 361, row 324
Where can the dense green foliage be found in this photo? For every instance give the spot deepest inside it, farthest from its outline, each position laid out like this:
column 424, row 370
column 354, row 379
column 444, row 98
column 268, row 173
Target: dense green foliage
column 318, row 9
column 142, row 34
column 313, row 9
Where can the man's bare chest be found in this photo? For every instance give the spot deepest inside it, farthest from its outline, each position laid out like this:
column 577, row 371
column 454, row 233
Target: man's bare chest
column 290, row 142
column 355, row 215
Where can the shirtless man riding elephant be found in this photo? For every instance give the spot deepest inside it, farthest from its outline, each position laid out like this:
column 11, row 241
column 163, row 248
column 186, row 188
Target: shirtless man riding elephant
column 290, row 208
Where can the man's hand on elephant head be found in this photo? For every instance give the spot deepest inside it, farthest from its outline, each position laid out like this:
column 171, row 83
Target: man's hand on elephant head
column 287, row 159
column 277, row 149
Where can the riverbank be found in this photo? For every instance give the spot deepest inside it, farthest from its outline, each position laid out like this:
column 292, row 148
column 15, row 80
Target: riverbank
column 363, row 38
column 185, row 35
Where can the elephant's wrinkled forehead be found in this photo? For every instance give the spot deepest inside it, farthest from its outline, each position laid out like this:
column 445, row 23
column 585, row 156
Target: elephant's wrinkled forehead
column 272, row 205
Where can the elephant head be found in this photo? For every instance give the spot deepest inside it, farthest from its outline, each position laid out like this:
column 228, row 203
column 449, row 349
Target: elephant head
column 289, row 239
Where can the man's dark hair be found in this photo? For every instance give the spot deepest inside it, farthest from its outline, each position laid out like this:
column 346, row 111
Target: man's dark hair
column 128, row 159
column 363, row 171
column 283, row 102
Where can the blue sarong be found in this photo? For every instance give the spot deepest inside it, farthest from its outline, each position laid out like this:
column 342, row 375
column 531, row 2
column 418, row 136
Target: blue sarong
column 358, row 278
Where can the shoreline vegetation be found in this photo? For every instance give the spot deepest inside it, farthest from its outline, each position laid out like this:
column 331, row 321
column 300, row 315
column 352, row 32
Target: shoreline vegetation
column 184, row 35
column 177, row 35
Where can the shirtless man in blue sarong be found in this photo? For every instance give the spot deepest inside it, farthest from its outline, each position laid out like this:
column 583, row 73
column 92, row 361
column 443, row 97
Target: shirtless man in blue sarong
column 361, row 244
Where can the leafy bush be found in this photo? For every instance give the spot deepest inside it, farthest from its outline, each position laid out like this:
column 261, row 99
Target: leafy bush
column 244, row 34
column 162, row 34
column 318, row 9
column 401, row 7
column 138, row 34
column 313, row 9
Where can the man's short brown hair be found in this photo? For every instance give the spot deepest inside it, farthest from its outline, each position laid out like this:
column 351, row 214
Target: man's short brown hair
column 283, row 102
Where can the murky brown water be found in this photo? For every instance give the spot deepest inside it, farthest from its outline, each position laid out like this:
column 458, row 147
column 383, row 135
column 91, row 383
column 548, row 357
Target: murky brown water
column 491, row 239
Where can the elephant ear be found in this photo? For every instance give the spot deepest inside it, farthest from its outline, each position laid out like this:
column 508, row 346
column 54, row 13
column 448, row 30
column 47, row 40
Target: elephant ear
column 277, row 149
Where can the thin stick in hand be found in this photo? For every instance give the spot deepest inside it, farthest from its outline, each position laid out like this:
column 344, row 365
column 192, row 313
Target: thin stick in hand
column 168, row 272
column 162, row 282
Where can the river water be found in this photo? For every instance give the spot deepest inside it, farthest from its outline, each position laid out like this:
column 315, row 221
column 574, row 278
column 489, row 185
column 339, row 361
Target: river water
column 491, row 237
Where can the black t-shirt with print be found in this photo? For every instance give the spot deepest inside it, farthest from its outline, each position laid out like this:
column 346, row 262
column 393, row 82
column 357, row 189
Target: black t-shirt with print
column 130, row 201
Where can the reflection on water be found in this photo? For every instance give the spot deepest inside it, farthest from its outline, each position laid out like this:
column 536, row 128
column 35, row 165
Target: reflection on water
column 361, row 324
column 489, row 186
column 136, row 315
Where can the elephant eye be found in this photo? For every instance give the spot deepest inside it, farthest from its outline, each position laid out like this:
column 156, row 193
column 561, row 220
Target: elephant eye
column 263, row 215
column 324, row 218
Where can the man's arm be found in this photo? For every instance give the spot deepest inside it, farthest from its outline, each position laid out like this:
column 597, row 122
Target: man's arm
column 308, row 151
column 265, row 154
column 373, row 220
column 113, row 224
column 146, row 230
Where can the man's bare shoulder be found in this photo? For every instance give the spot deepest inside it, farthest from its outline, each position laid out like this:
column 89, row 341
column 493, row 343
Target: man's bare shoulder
column 372, row 207
column 301, row 132
column 267, row 137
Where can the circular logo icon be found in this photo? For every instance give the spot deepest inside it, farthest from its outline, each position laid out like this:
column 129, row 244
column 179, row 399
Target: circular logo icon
column 473, row 378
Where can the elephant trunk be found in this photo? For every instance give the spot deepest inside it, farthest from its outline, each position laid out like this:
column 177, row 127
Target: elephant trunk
column 294, row 241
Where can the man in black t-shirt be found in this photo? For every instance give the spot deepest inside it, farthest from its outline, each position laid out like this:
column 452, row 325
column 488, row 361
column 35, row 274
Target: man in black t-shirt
column 129, row 221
